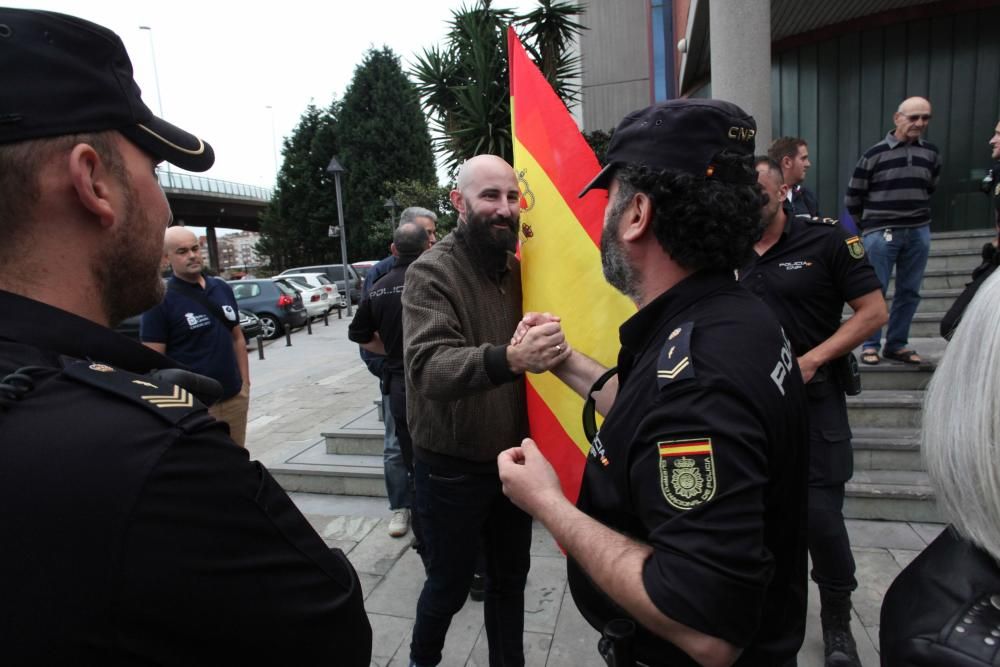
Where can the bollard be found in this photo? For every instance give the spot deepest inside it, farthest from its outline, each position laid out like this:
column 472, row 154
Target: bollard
column 309, row 326
column 260, row 347
column 288, row 335
column 340, row 313
column 326, row 318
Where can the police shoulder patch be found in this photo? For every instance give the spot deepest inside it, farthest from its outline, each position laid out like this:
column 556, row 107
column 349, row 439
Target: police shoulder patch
column 855, row 247
column 687, row 472
column 169, row 401
column 674, row 362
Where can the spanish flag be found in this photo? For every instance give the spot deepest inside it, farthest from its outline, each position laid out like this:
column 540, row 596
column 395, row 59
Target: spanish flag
column 560, row 255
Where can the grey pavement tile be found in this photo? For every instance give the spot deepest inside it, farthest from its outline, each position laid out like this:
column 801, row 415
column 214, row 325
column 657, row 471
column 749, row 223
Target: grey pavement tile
column 466, row 628
column 322, row 504
column 928, row 532
column 542, row 543
column 885, row 534
column 369, row 582
column 377, row 553
column 388, row 634
column 574, row 642
column 876, row 570
column 353, row 528
column 543, row 593
column 867, row 647
column 399, row 589
column 344, row 545
column 904, row 556
column 536, row 650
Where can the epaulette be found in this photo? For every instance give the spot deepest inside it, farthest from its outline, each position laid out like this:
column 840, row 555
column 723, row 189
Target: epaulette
column 674, row 362
column 171, row 402
column 816, row 220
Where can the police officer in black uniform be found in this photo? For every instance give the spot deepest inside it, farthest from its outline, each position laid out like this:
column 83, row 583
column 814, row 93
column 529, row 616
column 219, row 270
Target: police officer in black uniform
column 378, row 325
column 135, row 530
column 691, row 517
column 806, row 269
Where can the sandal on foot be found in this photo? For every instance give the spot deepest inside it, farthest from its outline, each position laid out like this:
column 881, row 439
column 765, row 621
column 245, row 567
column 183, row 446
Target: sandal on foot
column 869, row 357
column 905, row 356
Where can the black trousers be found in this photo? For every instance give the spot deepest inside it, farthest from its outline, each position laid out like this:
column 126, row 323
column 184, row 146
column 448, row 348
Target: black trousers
column 831, row 464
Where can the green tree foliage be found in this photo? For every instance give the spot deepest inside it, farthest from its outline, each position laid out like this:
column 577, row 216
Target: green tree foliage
column 464, row 83
column 599, row 140
column 294, row 226
column 430, row 196
column 383, row 138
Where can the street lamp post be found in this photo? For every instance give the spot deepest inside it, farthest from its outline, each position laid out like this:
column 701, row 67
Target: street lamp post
column 156, row 75
column 336, row 169
column 274, row 142
column 390, row 205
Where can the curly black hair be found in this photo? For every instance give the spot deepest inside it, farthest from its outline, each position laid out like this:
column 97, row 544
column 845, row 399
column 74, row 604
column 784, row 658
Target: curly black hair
column 702, row 223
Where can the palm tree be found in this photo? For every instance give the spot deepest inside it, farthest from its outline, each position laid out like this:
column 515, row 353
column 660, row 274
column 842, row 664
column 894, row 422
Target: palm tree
column 464, row 84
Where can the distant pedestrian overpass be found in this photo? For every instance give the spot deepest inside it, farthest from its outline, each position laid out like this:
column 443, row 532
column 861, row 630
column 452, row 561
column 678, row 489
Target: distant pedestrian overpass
column 197, row 201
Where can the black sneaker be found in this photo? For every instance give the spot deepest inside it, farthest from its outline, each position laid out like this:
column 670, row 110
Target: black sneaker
column 477, row 591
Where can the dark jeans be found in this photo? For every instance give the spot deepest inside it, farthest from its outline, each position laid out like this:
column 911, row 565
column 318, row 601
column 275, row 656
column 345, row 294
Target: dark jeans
column 459, row 512
column 829, row 546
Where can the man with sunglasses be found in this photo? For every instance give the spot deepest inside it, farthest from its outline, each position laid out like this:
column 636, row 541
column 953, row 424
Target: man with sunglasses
column 889, row 197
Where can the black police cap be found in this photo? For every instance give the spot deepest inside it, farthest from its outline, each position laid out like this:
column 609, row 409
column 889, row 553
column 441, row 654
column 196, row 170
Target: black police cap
column 61, row 75
column 685, row 135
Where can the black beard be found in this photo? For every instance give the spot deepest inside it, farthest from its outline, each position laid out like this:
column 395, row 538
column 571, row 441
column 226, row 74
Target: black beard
column 490, row 244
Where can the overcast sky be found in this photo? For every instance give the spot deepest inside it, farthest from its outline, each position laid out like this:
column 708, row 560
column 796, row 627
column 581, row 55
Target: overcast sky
column 221, row 64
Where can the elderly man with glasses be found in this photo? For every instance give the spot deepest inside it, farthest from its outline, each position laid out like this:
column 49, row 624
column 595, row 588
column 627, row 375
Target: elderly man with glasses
column 889, row 197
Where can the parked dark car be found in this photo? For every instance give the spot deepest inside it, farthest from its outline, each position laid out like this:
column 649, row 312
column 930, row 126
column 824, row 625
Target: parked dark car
column 249, row 323
column 334, row 272
column 275, row 304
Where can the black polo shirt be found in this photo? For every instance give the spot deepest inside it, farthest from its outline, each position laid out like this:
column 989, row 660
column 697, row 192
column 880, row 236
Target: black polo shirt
column 701, row 457
column 808, row 275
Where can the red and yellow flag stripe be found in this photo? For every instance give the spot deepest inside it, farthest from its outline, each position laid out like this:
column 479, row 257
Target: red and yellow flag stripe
column 685, row 448
column 560, row 255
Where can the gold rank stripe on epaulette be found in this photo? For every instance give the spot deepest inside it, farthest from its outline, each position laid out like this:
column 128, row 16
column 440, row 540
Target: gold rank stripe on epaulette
column 171, row 402
column 672, row 373
column 179, row 398
column 674, row 362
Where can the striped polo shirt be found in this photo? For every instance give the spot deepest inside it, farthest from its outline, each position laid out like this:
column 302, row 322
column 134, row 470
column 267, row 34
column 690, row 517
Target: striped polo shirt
column 892, row 185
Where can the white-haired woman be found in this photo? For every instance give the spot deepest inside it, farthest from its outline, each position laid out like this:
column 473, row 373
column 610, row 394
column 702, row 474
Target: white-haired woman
column 944, row 608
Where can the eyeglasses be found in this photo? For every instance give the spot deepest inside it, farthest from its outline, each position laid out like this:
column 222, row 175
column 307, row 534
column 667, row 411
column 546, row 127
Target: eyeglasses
column 914, row 117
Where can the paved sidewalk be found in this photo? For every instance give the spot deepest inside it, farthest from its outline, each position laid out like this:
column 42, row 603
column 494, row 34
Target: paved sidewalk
column 319, row 384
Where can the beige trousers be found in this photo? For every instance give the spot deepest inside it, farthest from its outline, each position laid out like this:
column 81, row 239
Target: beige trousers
column 233, row 411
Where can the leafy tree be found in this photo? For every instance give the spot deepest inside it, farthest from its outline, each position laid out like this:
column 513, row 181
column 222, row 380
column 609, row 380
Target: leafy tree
column 430, row 196
column 599, row 140
column 383, row 138
column 464, row 83
column 294, row 225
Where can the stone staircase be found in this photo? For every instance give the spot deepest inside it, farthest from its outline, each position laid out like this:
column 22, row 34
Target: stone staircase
column 889, row 481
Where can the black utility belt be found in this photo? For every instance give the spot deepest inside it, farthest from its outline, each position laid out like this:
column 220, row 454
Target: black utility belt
column 843, row 371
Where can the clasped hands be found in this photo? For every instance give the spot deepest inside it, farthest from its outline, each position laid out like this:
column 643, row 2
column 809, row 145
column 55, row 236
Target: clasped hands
column 538, row 344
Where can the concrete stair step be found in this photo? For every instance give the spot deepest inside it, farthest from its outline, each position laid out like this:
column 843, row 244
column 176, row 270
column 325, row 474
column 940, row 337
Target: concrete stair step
column 354, row 441
column 946, row 279
column 333, row 474
column 931, row 300
column 893, row 376
column 885, row 408
column 957, row 260
column 886, row 449
column 891, row 495
column 926, row 325
column 972, row 239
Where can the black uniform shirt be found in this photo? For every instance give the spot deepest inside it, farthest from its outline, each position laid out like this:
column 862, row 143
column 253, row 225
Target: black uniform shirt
column 135, row 531
column 701, row 457
column 808, row 275
column 381, row 311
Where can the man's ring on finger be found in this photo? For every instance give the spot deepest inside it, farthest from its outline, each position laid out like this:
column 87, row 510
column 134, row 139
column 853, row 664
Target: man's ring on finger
column 559, row 349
